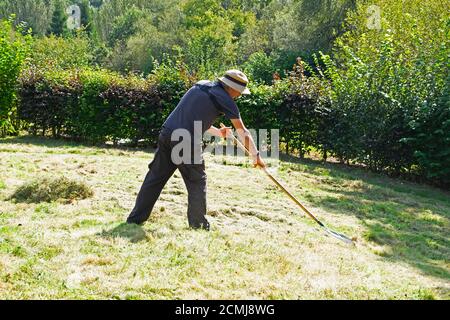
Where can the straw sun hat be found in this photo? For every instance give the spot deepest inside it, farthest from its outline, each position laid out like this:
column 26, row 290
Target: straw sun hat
column 236, row 80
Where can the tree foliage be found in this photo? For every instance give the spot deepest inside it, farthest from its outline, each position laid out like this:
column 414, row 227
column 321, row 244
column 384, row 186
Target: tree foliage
column 390, row 89
column 36, row 14
column 58, row 26
column 14, row 48
column 375, row 96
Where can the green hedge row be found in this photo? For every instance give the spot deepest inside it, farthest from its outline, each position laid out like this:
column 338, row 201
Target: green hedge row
column 92, row 105
column 14, row 48
column 310, row 112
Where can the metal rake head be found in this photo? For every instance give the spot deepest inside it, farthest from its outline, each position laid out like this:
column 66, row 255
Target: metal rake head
column 339, row 236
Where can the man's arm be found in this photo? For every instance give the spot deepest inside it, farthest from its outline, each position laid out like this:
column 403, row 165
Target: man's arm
column 222, row 133
column 246, row 138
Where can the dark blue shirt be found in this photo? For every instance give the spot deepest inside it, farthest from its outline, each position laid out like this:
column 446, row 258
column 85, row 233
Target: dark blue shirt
column 197, row 105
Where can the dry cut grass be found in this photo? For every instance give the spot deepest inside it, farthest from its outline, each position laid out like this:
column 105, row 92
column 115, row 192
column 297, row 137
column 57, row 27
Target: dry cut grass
column 260, row 247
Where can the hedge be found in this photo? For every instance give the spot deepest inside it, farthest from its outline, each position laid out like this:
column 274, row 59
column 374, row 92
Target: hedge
column 309, row 111
column 91, row 105
column 14, row 47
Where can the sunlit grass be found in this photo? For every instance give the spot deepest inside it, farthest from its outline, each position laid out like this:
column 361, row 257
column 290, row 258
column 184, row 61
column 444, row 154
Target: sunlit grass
column 261, row 245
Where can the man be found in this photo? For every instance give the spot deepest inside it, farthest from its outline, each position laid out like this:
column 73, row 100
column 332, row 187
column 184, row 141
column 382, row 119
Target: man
column 194, row 114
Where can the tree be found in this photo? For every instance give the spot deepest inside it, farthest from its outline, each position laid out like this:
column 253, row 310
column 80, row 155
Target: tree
column 96, row 3
column 58, row 26
column 390, row 89
column 210, row 49
column 36, row 13
column 201, row 13
column 309, row 26
column 125, row 25
column 55, row 53
column 260, row 68
column 86, row 16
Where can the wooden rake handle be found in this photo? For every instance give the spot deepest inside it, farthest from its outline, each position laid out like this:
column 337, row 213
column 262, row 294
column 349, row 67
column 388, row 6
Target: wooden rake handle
column 275, row 180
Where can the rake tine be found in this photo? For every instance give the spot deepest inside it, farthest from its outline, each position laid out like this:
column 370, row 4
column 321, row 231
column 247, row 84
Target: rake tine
column 339, row 236
column 334, row 234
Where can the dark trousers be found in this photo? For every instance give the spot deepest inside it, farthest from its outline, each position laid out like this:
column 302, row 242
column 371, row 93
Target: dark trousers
column 160, row 170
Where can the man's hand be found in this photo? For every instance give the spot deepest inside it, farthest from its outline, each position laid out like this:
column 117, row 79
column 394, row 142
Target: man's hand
column 225, row 131
column 248, row 142
column 258, row 161
column 222, row 133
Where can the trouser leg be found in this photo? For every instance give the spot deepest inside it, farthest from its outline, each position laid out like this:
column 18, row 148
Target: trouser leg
column 194, row 177
column 160, row 170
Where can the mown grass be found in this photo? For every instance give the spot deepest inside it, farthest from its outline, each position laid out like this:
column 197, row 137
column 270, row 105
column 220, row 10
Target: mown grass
column 261, row 246
column 47, row 189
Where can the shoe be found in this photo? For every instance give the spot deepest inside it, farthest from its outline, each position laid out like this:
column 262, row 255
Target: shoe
column 201, row 227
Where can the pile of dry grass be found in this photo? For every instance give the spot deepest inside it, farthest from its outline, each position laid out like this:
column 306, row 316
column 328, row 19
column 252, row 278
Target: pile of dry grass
column 52, row 189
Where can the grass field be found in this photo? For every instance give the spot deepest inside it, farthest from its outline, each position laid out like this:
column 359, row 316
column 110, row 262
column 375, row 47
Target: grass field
column 260, row 247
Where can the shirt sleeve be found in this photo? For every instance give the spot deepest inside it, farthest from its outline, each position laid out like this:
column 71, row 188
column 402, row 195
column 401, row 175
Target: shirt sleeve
column 227, row 104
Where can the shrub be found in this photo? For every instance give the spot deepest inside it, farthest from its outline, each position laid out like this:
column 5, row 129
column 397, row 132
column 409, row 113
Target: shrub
column 92, row 105
column 429, row 139
column 260, row 109
column 388, row 89
column 48, row 100
column 52, row 52
column 299, row 106
column 172, row 79
column 14, row 48
column 304, row 112
column 260, row 68
column 133, row 110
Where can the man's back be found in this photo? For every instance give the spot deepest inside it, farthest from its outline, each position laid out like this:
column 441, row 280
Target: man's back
column 196, row 105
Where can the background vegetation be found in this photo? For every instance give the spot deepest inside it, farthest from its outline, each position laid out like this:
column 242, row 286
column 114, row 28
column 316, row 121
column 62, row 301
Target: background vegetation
column 376, row 97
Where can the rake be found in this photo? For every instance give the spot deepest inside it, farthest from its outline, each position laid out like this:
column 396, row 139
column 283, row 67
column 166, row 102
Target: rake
column 332, row 233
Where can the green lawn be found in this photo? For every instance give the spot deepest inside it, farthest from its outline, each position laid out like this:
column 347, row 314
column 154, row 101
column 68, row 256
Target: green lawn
column 260, row 247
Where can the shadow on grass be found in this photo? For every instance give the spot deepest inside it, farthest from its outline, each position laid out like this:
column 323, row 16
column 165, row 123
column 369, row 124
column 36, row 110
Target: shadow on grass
column 413, row 221
column 133, row 232
column 67, row 143
column 44, row 141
